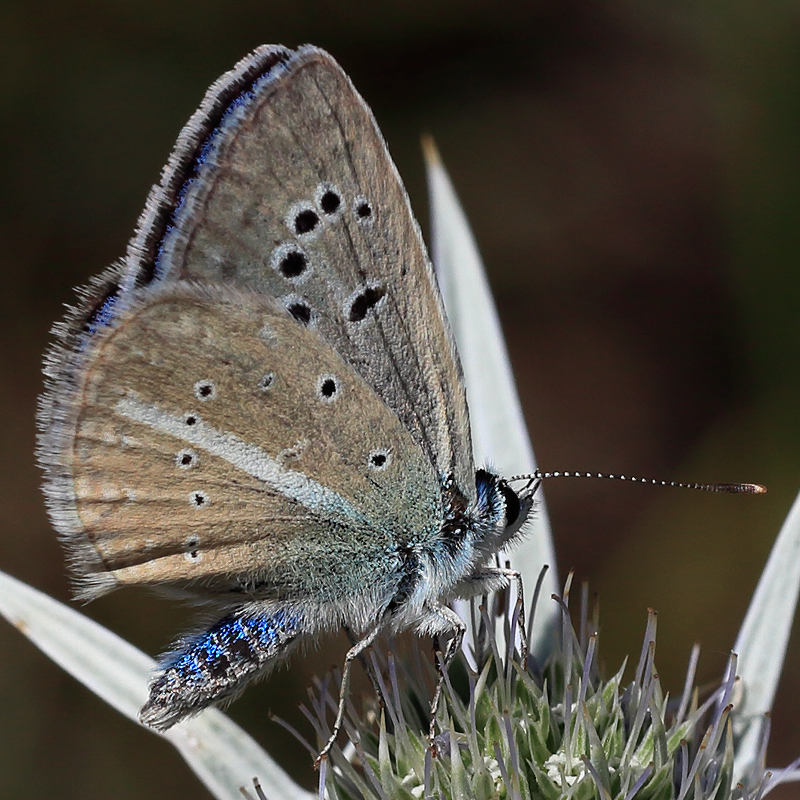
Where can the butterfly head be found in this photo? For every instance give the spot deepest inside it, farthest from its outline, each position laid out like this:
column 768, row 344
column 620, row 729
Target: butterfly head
column 493, row 520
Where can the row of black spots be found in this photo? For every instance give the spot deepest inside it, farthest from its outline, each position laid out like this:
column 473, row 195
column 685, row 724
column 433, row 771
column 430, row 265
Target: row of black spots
column 289, row 259
column 305, row 218
column 188, row 458
column 356, row 309
column 363, row 301
column 330, row 203
column 328, row 388
column 191, row 549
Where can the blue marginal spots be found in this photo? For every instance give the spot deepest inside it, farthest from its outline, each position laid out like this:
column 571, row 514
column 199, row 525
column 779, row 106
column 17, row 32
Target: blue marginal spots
column 99, row 318
column 234, row 646
column 245, row 97
column 103, row 316
column 216, row 664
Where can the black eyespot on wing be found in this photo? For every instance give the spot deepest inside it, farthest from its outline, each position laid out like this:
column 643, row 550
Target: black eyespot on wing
column 186, row 459
column 328, row 388
column 190, row 419
column 198, row 499
column 205, row 390
column 300, row 311
column 364, row 301
column 513, row 507
column 330, row 202
column 293, row 264
column 305, row 221
column 364, row 210
column 266, row 382
column 379, row 460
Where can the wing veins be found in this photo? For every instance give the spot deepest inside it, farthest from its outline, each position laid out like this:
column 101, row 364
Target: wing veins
column 428, row 443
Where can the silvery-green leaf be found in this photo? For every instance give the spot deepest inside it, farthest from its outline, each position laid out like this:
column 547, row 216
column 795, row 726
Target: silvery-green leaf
column 499, row 435
column 761, row 643
column 223, row 756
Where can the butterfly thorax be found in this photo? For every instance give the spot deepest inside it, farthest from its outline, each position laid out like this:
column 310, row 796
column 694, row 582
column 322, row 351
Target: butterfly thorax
column 471, row 533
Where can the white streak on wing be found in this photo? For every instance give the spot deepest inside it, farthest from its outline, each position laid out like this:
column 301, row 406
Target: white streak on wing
column 249, row 458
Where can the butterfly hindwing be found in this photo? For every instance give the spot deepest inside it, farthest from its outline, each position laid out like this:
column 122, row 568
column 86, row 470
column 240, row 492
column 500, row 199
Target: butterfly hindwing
column 213, row 413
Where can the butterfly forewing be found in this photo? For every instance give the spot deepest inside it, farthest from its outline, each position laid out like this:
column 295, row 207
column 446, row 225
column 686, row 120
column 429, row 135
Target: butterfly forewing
column 214, row 413
column 293, row 194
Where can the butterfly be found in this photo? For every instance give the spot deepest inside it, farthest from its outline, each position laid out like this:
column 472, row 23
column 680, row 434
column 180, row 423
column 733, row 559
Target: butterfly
column 261, row 407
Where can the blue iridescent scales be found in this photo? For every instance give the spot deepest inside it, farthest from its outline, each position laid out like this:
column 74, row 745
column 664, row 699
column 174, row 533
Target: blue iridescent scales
column 213, row 665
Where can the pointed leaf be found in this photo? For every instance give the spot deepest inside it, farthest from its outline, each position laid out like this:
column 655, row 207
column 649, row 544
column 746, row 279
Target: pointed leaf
column 761, row 643
column 499, row 435
column 222, row 755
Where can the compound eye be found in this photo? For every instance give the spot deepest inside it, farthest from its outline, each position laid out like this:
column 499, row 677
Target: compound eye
column 513, row 507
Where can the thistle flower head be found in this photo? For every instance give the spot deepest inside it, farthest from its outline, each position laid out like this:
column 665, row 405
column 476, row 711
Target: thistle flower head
column 556, row 730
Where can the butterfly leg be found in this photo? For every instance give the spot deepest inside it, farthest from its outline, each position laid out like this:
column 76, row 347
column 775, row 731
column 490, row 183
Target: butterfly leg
column 513, row 575
column 489, row 575
column 369, row 669
column 352, row 654
column 444, row 620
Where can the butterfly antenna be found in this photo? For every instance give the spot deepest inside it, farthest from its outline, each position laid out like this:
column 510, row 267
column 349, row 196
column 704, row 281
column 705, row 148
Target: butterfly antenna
column 535, row 478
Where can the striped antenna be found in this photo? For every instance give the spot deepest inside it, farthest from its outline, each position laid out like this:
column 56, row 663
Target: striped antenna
column 725, row 488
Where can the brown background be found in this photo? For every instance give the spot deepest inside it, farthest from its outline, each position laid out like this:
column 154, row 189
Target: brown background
column 632, row 174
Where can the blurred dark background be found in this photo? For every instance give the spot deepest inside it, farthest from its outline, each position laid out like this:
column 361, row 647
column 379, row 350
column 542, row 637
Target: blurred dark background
column 632, row 174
